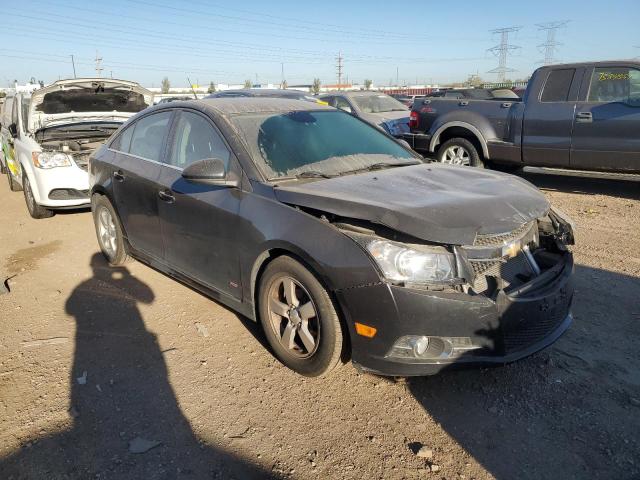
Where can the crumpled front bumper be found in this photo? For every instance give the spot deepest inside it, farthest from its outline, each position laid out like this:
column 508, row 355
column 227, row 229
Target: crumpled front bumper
column 506, row 328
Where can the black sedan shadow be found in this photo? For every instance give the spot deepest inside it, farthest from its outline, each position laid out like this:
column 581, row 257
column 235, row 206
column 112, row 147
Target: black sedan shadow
column 126, row 419
column 571, row 411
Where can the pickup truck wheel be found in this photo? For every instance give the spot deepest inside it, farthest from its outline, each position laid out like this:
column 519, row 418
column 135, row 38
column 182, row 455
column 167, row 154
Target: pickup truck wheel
column 459, row 151
column 35, row 210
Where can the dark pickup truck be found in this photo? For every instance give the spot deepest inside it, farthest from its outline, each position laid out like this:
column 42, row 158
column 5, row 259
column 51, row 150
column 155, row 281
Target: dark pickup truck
column 582, row 116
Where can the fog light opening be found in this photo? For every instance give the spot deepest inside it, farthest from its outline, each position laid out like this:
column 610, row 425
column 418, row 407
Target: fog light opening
column 421, row 347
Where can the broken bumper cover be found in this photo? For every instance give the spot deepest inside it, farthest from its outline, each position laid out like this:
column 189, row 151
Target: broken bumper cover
column 501, row 330
column 417, row 141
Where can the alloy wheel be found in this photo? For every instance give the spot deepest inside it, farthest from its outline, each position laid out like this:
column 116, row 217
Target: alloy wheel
column 293, row 317
column 107, row 231
column 456, row 155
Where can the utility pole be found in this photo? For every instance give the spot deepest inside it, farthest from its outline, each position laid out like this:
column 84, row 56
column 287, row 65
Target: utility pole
column 339, row 67
column 74, row 67
column 550, row 46
column 502, row 50
column 98, row 65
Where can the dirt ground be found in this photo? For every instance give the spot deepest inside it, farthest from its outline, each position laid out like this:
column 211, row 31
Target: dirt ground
column 98, row 363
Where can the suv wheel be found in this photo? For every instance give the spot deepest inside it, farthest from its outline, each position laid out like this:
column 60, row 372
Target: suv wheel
column 13, row 185
column 109, row 231
column 299, row 318
column 459, row 151
column 35, row 210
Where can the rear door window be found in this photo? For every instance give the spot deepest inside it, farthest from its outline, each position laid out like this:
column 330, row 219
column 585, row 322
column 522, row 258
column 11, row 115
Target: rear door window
column 557, row 86
column 149, row 135
column 615, row 84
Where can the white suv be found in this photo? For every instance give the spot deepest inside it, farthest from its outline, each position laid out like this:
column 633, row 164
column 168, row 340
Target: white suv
column 48, row 137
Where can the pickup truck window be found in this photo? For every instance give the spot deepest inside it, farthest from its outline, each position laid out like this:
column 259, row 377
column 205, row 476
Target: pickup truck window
column 617, row 84
column 557, row 86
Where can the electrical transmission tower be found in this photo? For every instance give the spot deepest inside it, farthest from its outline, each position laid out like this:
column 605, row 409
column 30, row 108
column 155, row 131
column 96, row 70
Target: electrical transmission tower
column 550, row 46
column 339, row 68
column 503, row 50
column 98, row 65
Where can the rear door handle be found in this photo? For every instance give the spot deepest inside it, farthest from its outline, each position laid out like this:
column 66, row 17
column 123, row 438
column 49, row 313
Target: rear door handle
column 584, row 117
column 118, row 176
column 506, row 105
column 463, row 103
column 165, row 196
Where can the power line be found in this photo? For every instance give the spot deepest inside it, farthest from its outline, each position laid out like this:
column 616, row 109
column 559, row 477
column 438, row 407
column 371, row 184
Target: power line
column 503, row 50
column 551, row 45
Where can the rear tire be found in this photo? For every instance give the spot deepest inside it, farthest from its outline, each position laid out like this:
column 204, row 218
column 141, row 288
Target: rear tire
column 36, row 211
column 299, row 318
column 459, row 151
column 109, row 231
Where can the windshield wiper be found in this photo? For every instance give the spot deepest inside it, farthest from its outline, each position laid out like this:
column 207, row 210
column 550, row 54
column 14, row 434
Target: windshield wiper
column 379, row 166
column 313, row 174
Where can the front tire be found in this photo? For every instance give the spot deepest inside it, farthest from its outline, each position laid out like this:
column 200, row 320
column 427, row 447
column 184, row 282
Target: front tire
column 109, row 231
column 35, row 210
column 299, row 318
column 13, row 185
column 459, row 151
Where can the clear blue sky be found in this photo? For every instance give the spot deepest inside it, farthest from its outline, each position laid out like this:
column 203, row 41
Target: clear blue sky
column 226, row 42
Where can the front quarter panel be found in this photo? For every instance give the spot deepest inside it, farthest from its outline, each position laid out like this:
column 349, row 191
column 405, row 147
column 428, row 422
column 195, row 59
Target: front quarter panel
column 270, row 225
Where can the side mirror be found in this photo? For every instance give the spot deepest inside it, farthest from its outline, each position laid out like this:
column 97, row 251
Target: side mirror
column 208, row 171
column 13, row 130
column 404, row 143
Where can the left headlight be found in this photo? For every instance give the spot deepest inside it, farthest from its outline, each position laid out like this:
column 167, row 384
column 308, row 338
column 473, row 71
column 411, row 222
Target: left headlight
column 401, row 263
column 51, row 159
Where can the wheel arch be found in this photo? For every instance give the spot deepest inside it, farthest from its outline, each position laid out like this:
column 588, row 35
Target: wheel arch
column 459, row 129
column 270, row 254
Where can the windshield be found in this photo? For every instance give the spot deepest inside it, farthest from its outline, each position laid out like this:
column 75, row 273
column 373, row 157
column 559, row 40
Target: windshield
column 327, row 142
column 378, row 104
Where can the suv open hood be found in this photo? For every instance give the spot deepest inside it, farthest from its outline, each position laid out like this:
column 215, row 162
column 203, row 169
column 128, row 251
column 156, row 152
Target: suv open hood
column 85, row 99
column 436, row 203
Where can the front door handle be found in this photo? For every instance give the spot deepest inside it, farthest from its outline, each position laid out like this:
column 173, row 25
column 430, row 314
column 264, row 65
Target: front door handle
column 584, row 117
column 506, row 105
column 165, row 196
column 118, row 176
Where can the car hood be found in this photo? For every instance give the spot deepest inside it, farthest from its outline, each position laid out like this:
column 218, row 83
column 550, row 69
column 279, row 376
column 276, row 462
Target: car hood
column 63, row 102
column 436, row 203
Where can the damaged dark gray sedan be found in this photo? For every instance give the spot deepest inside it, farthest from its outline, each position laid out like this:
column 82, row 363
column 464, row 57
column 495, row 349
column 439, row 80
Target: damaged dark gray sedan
column 340, row 241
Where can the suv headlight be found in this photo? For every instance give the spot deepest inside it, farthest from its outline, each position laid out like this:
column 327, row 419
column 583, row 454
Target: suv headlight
column 51, row 159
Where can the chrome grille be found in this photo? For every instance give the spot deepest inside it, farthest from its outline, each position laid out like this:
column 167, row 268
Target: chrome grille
column 489, row 240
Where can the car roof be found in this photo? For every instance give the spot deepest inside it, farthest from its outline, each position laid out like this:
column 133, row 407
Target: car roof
column 355, row 93
column 605, row 63
column 239, row 105
column 259, row 92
